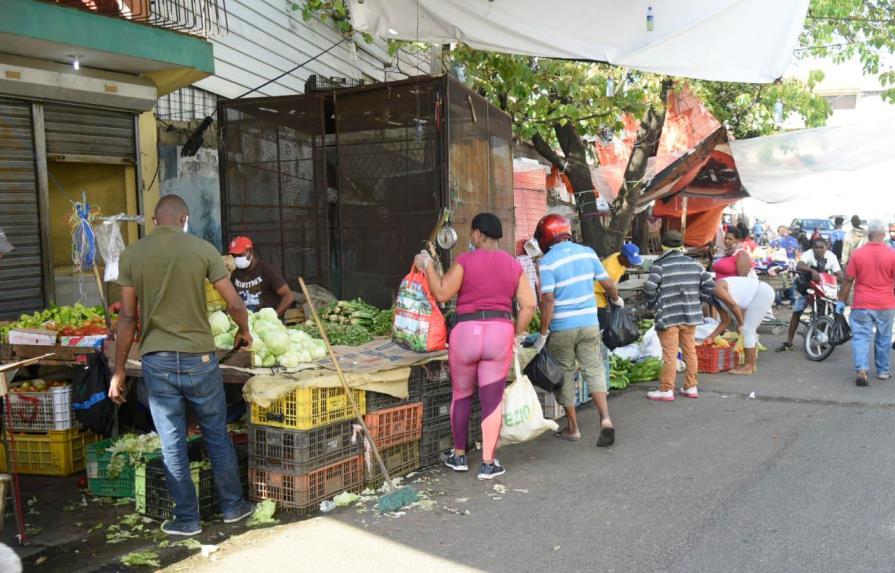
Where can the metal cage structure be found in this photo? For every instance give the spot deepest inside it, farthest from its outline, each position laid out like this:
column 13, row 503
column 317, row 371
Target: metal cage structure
column 343, row 187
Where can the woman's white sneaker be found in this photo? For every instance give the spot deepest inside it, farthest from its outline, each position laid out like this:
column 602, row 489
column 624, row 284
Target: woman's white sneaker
column 661, row 396
column 690, row 392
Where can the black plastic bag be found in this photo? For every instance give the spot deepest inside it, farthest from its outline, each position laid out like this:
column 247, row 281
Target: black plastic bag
column 90, row 400
column 841, row 331
column 622, row 329
column 544, row 371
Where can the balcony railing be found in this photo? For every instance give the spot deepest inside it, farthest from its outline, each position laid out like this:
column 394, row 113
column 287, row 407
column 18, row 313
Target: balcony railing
column 203, row 18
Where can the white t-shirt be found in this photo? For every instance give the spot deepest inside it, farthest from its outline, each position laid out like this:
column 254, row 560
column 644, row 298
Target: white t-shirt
column 742, row 290
column 831, row 262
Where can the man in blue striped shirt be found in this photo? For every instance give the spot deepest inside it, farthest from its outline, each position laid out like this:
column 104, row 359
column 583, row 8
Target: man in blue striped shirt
column 569, row 314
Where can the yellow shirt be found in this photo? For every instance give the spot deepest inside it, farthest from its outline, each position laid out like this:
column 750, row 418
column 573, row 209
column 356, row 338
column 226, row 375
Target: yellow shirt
column 615, row 269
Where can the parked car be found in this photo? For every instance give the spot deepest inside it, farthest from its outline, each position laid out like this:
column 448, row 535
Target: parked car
column 802, row 229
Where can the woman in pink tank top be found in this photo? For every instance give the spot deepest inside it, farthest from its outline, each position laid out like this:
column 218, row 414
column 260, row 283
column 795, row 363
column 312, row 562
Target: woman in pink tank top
column 736, row 262
column 485, row 282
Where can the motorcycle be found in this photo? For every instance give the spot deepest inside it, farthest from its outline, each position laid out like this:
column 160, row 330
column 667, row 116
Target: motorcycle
column 822, row 296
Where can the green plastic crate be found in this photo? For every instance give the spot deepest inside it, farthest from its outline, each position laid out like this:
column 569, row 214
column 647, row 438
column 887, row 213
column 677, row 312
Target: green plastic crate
column 98, row 481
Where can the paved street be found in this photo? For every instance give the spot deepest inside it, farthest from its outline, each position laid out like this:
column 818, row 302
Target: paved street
column 798, row 479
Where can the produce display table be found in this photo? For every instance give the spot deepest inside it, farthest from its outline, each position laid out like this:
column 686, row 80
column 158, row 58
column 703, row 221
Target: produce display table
column 235, row 370
column 62, row 355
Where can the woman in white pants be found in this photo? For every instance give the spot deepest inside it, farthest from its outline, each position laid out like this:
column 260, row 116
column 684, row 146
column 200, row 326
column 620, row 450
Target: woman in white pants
column 749, row 300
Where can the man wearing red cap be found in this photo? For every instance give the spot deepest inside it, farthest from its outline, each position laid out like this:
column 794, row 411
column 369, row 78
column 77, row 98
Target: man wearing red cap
column 258, row 283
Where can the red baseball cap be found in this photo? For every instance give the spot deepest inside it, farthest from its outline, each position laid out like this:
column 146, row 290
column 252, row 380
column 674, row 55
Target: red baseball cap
column 240, row 245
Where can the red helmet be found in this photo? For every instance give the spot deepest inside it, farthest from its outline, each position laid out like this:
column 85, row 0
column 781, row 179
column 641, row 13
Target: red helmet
column 550, row 229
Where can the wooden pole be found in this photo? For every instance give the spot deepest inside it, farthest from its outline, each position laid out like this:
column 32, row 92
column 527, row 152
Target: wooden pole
column 684, row 218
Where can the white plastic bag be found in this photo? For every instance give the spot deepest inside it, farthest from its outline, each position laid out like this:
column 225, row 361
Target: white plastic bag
column 651, row 346
column 523, row 419
column 630, row 352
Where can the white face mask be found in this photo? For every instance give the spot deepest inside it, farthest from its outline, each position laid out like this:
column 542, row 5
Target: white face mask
column 242, row 262
column 186, row 224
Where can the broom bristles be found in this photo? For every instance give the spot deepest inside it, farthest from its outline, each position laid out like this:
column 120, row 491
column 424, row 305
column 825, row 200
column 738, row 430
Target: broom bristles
column 397, row 499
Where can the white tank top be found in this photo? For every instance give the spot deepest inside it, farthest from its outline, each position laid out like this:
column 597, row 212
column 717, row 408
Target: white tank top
column 742, row 290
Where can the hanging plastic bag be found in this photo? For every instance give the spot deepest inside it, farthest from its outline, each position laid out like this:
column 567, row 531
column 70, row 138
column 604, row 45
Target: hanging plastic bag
column 544, row 371
column 523, row 418
column 110, row 243
column 841, row 331
column 419, row 324
column 622, row 329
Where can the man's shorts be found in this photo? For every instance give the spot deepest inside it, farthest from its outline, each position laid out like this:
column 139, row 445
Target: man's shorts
column 576, row 350
column 801, row 302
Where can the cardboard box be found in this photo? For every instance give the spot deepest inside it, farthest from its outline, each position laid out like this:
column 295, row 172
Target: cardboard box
column 32, row 336
column 92, row 341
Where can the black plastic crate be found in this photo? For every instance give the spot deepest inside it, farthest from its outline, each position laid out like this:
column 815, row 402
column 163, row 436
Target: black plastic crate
column 153, row 499
column 435, row 377
column 436, row 441
column 298, row 452
column 436, row 407
column 378, row 401
column 399, row 461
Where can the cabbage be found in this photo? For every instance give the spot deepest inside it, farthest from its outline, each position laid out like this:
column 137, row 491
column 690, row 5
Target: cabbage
column 304, row 356
column 219, row 322
column 290, row 360
column 317, row 350
column 224, row 341
column 233, row 330
column 277, row 342
column 262, row 328
column 258, row 346
column 269, row 361
column 268, row 315
column 258, row 361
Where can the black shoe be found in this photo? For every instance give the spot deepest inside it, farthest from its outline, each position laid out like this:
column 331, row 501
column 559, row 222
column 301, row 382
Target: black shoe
column 861, row 379
column 491, row 471
column 607, row 437
column 455, row 462
column 785, row 347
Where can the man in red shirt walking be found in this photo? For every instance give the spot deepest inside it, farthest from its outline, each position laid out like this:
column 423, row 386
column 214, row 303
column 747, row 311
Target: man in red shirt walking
column 871, row 269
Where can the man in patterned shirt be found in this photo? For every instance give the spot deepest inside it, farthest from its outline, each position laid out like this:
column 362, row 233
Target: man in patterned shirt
column 676, row 288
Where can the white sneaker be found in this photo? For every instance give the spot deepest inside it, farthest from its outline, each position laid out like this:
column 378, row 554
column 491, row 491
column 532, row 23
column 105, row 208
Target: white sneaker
column 661, row 396
column 690, row 392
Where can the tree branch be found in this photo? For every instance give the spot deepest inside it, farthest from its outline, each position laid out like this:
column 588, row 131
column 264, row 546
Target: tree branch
column 542, row 147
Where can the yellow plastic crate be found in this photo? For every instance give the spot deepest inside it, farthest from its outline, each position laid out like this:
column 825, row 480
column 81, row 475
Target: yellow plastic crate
column 308, row 408
column 55, row 453
column 213, row 299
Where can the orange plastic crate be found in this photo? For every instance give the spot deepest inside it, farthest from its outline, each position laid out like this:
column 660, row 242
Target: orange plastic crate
column 394, row 426
column 713, row 360
column 303, row 493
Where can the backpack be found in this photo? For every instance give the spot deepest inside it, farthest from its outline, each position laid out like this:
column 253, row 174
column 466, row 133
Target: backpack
column 90, row 395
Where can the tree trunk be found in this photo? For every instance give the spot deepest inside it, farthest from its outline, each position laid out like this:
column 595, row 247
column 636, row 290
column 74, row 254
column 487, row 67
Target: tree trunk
column 604, row 239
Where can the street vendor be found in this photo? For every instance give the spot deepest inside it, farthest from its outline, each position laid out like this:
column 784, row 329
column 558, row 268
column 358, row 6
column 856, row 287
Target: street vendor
column 258, row 283
column 615, row 265
column 5, row 246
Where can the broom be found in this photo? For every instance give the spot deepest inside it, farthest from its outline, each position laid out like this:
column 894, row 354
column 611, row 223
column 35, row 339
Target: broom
column 396, row 498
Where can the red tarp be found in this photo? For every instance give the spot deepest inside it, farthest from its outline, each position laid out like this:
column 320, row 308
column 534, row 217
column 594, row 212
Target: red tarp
column 530, row 198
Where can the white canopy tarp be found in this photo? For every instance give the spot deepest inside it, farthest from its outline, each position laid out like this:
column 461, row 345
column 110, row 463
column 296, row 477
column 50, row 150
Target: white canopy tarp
column 848, row 163
column 721, row 40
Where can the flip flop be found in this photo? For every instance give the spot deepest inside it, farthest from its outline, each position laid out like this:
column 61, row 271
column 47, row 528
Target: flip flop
column 742, row 372
column 607, row 437
column 566, row 437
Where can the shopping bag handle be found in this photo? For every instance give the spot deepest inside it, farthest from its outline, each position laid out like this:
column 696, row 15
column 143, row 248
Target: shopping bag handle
column 516, row 365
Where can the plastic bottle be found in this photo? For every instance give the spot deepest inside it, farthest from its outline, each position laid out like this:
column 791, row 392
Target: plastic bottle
column 649, row 19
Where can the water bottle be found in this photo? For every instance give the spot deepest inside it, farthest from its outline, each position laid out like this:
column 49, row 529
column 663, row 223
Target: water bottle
column 649, row 19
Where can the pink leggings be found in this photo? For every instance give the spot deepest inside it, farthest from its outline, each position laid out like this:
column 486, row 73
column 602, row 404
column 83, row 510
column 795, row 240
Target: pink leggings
column 480, row 352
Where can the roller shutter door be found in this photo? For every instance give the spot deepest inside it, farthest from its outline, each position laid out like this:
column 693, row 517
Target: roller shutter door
column 21, row 274
column 73, row 130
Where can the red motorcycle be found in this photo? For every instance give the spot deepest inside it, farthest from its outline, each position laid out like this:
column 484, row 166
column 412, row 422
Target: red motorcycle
column 822, row 296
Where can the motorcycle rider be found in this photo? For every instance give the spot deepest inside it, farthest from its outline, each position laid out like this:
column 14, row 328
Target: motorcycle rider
column 811, row 264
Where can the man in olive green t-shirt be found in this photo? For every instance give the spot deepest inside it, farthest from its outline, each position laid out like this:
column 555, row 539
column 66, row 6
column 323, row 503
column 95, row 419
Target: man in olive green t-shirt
column 165, row 274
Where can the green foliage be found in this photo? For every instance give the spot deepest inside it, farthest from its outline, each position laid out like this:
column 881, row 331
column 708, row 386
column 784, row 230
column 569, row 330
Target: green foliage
column 847, row 29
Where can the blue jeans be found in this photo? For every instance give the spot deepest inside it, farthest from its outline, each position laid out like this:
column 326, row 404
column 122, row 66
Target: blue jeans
column 174, row 379
column 862, row 325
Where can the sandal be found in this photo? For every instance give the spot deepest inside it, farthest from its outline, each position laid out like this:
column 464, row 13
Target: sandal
column 742, row 372
column 607, row 437
column 566, row 437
